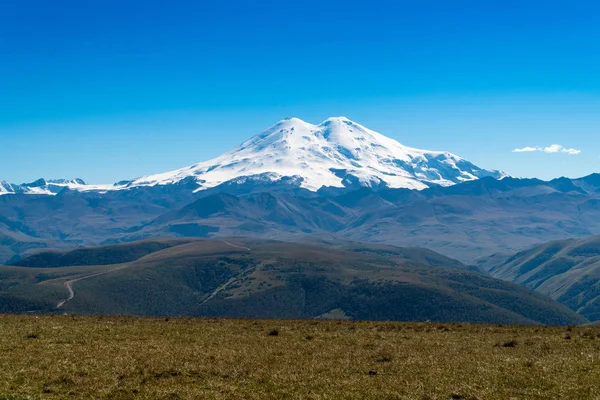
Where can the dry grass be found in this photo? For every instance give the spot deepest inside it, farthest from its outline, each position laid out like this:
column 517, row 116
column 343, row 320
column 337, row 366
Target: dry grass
column 143, row 358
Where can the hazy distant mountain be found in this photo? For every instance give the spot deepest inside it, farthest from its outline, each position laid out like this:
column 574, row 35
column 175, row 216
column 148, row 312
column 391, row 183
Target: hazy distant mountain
column 335, row 153
column 566, row 270
column 50, row 187
column 466, row 221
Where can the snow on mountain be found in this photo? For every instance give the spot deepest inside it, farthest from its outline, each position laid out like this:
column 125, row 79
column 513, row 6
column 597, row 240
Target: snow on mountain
column 50, row 187
column 6, row 188
column 337, row 152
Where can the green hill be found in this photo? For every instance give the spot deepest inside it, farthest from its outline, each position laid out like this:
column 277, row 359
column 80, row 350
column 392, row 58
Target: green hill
column 103, row 255
column 566, row 270
column 269, row 279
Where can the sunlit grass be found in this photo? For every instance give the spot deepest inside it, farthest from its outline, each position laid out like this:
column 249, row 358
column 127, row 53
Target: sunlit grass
column 157, row 358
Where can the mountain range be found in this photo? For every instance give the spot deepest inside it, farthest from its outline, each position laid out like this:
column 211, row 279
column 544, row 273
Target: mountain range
column 335, row 182
column 466, row 221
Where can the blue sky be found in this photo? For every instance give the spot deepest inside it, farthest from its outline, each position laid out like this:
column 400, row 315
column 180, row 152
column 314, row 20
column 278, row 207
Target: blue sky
column 110, row 90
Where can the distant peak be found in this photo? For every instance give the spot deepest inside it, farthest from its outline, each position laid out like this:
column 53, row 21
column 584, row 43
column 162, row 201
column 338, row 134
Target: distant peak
column 291, row 120
column 76, row 181
column 39, row 183
column 338, row 120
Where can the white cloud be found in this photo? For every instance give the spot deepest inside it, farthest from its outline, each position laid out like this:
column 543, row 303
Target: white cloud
column 554, row 148
column 525, row 150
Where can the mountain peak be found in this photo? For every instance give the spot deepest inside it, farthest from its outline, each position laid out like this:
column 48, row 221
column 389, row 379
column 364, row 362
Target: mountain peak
column 338, row 152
column 291, row 122
column 294, row 122
column 76, row 181
column 336, row 120
column 292, row 119
column 287, row 124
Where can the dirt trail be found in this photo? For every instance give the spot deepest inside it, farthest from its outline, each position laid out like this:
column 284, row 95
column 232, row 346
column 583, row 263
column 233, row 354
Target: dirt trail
column 230, row 281
column 69, row 284
column 235, row 245
column 219, row 289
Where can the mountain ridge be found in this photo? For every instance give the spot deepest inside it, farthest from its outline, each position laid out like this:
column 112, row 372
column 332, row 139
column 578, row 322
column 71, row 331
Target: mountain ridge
column 566, row 270
column 466, row 221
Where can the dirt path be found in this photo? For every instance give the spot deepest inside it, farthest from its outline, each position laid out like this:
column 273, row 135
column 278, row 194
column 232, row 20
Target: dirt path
column 230, row 281
column 69, row 284
column 219, row 289
column 235, row 245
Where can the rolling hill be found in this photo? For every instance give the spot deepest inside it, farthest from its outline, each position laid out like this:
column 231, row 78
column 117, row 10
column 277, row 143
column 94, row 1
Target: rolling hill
column 256, row 278
column 566, row 270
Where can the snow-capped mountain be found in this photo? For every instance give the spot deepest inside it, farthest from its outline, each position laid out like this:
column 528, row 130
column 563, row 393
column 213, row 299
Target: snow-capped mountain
column 50, row 187
column 337, row 152
column 6, row 188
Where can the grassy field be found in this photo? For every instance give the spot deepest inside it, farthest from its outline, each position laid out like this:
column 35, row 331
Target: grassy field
column 60, row 357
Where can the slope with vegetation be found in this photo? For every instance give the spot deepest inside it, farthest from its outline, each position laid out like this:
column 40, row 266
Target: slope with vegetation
column 566, row 270
column 254, row 278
